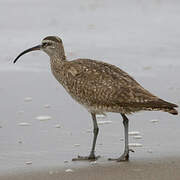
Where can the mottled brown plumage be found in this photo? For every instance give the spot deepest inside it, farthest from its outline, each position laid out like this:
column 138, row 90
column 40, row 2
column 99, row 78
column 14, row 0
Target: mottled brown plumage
column 100, row 87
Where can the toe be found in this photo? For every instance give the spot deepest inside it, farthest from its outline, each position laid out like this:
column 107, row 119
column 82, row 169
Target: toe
column 86, row 158
column 124, row 157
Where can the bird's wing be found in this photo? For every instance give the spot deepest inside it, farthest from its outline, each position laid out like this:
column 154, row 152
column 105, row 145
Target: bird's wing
column 107, row 84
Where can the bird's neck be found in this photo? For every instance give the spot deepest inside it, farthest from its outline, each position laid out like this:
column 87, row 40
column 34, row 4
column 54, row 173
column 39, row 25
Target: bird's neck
column 58, row 59
column 57, row 63
column 57, row 67
column 58, row 56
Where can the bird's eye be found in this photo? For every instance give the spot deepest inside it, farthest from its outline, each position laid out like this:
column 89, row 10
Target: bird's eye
column 45, row 44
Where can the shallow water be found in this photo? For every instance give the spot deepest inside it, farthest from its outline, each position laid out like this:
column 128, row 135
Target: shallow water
column 141, row 38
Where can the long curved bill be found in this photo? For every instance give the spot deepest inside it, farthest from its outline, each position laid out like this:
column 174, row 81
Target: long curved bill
column 28, row 50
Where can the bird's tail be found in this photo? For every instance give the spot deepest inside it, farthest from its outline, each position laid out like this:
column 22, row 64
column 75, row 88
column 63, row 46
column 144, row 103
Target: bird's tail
column 173, row 111
column 168, row 107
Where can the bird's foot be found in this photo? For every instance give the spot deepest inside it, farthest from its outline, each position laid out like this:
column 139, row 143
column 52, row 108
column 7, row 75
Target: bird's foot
column 86, row 158
column 123, row 157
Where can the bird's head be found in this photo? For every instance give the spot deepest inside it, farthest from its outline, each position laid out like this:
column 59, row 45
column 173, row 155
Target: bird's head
column 52, row 45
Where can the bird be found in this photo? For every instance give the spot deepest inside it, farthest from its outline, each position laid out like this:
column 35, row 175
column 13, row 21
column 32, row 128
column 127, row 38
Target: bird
column 101, row 88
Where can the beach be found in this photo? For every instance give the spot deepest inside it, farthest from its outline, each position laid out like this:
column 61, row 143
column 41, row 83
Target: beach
column 151, row 170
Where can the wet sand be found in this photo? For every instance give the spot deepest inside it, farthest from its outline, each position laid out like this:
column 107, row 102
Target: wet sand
column 161, row 169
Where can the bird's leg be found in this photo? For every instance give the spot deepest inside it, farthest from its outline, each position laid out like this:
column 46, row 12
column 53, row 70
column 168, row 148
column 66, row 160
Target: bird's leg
column 96, row 131
column 92, row 153
column 125, row 155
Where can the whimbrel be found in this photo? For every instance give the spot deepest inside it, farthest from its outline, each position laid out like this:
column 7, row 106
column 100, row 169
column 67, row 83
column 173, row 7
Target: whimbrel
column 100, row 87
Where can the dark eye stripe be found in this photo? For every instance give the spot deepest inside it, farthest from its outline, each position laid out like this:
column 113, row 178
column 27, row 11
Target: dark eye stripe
column 46, row 44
